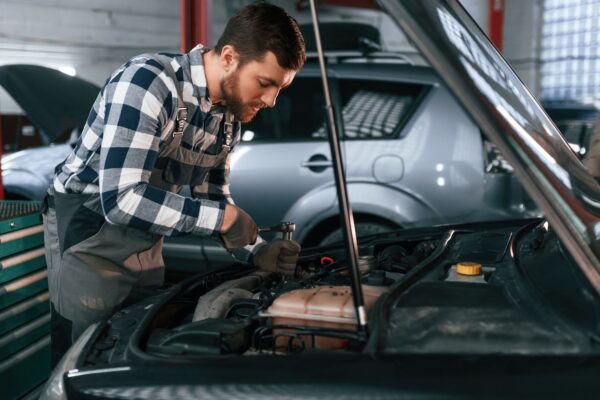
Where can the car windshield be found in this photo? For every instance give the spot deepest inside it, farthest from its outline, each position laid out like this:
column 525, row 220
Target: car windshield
column 508, row 114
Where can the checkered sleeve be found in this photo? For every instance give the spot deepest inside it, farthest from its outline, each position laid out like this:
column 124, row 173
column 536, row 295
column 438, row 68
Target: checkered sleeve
column 216, row 185
column 137, row 103
column 216, row 188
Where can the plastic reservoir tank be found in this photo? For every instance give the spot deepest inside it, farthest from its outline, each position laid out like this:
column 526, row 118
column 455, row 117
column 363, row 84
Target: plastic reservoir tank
column 323, row 307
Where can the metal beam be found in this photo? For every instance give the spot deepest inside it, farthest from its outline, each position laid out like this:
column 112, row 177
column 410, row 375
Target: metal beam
column 195, row 23
column 496, row 23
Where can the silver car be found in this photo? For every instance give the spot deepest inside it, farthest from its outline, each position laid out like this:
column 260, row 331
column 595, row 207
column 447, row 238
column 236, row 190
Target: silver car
column 412, row 155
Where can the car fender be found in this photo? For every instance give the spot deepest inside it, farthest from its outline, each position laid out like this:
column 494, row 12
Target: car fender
column 365, row 197
column 24, row 183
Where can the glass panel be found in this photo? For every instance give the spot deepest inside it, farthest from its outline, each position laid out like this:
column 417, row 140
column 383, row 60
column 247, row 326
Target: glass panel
column 298, row 112
column 374, row 109
column 569, row 49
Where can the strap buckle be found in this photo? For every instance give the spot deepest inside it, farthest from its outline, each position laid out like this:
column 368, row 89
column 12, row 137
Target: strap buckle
column 181, row 118
column 228, row 128
column 227, row 142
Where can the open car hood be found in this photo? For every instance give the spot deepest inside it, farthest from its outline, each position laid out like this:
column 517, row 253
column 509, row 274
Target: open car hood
column 492, row 93
column 55, row 102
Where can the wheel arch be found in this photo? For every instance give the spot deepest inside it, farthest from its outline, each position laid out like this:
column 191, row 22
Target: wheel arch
column 319, row 209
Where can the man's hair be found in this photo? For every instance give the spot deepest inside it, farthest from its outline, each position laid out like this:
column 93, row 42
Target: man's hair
column 262, row 27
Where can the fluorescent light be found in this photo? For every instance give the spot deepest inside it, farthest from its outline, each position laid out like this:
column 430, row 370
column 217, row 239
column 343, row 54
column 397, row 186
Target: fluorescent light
column 248, row 136
column 67, row 70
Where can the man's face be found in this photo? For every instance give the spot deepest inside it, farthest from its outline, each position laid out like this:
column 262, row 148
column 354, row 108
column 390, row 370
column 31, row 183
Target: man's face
column 254, row 85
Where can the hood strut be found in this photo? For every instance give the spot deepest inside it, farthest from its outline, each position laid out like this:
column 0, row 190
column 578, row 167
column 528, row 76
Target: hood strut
column 340, row 183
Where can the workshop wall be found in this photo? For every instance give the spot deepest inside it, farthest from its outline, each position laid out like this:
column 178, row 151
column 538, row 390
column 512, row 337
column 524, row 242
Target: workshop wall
column 522, row 35
column 391, row 36
column 522, row 27
column 91, row 37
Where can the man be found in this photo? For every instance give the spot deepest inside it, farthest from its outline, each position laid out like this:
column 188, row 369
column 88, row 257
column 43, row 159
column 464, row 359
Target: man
column 162, row 122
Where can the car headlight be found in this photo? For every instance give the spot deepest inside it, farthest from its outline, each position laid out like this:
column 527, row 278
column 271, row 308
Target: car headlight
column 55, row 386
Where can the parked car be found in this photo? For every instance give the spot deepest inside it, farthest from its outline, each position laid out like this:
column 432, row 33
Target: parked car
column 58, row 105
column 502, row 310
column 413, row 156
column 406, row 141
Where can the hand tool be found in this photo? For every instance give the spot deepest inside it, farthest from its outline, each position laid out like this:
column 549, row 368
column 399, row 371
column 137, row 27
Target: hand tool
column 286, row 229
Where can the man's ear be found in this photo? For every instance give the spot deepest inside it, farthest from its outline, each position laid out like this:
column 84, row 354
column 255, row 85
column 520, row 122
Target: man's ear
column 229, row 58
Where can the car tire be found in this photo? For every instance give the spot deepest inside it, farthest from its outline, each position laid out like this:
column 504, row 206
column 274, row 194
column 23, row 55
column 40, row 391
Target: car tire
column 362, row 229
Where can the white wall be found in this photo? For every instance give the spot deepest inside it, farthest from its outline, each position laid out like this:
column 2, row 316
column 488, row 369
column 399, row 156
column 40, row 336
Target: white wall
column 92, row 37
column 95, row 37
column 522, row 31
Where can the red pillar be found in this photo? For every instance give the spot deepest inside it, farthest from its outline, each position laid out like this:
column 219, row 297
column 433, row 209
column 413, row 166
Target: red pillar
column 496, row 23
column 195, row 24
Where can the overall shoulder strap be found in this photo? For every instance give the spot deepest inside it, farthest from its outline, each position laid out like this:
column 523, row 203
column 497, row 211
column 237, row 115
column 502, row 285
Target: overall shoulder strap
column 181, row 111
column 228, row 125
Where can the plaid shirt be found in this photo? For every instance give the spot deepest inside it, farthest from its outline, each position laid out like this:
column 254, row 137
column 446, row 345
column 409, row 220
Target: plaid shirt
column 120, row 143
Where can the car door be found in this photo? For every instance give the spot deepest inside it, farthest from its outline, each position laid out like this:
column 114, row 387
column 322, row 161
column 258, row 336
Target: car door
column 408, row 142
column 375, row 113
column 284, row 153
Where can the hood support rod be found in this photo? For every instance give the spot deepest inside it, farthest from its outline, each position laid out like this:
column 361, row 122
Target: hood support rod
column 340, row 184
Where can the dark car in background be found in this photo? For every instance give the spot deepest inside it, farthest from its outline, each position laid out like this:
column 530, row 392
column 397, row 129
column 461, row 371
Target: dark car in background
column 57, row 104
column 482, row 310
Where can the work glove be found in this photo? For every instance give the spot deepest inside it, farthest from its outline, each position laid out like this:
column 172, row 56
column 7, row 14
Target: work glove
column 243, row 231
column 278, row 256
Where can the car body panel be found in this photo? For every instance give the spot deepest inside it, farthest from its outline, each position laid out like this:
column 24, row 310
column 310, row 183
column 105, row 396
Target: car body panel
column 28, row 173
column 265, row 180
column 438, row 151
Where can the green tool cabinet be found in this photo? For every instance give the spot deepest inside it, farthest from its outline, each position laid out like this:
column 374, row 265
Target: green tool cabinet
column 24, row 305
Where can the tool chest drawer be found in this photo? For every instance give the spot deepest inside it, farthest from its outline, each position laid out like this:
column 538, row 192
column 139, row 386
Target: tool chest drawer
column 24, row 304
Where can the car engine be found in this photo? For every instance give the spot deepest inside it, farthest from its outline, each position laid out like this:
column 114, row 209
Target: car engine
column 266, row 312
column 469, row 290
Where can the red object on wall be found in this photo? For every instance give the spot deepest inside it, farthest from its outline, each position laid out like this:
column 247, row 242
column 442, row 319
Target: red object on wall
column 496, row 22
column 195, row 23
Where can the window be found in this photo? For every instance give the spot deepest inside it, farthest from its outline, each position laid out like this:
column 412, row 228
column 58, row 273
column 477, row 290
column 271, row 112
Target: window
column 570, row 50
column 298, row 112
column 370, row 109
column 375, row 109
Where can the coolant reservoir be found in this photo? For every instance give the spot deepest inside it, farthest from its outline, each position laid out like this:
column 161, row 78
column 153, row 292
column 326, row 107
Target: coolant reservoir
column 324, row 307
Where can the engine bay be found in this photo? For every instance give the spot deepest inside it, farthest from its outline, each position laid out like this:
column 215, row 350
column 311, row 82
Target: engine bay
column 266, row 312
column 458, row 291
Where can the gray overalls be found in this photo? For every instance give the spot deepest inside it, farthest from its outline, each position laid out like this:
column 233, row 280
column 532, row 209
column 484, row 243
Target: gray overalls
column 94, row 266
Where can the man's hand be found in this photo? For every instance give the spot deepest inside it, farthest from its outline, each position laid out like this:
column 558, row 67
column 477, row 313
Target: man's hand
column 278, row 256
column 238, row 228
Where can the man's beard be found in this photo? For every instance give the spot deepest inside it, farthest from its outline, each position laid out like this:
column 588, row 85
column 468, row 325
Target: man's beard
column 232, row 97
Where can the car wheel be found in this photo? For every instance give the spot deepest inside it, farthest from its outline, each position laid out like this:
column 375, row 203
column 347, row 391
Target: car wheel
column 362, row 229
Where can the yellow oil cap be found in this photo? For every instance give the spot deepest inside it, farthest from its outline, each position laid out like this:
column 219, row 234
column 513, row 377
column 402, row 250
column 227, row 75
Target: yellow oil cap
column 468, row 268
